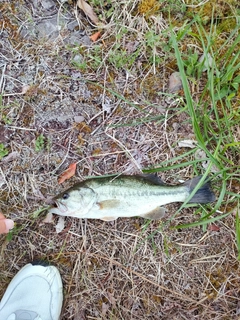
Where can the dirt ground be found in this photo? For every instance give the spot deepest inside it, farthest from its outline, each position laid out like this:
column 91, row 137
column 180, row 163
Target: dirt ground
column 54, row 113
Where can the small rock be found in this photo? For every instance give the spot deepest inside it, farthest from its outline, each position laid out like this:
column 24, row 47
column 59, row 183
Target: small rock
column 72, row 25
column 175, row 82
column 48, row 29
column 77, row 38
column 28, row 31
column 5, row 134
column 79, row 119
column 78, row 58
column 47, row 4
column 76, row 76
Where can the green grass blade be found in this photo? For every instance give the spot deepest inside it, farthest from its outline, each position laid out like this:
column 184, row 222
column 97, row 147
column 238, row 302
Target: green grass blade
column 238, row 231
column 201, row 222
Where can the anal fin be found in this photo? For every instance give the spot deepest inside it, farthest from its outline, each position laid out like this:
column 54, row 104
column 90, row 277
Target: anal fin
column 109, row 218
column 156, row 214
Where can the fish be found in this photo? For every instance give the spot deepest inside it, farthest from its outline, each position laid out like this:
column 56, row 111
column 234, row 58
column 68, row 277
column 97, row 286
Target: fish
column 108, row 198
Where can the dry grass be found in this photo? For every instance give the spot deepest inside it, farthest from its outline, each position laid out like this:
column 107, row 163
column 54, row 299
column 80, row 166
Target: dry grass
column 127, row 269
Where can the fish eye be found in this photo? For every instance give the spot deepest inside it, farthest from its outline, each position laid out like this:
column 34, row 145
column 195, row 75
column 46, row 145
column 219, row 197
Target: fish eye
column 65, row 196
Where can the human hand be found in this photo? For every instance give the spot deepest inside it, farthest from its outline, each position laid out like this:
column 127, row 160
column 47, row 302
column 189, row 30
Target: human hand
column 5, row 224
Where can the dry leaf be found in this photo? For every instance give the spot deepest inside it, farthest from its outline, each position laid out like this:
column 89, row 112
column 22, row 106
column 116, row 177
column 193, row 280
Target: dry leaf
column 11, row 157
column 87, row 9
column 107, row 105
column 60, row 225
column 25, row 89
column 2, row 181
column 111, row 299
column 48, row 218
column 187, row 144
column 238, row 309
column 105, row 308
column 213, row 227
column 200, row 154
column 68, row 173
column 95, row 36
column 131, row 46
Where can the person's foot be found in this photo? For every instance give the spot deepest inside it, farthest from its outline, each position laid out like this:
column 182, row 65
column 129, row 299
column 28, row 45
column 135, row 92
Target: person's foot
column 35, row 293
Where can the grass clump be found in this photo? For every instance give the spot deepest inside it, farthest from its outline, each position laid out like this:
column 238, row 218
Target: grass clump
column 40, row 143
column 3, row 151
column 215, row 120
column 148, row 7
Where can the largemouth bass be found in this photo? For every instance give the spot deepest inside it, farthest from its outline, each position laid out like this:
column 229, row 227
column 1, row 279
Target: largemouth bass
column 126, row 196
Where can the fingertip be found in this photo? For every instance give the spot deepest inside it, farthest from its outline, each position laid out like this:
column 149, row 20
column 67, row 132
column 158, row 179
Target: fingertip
column 9, row 224
column 1, row 216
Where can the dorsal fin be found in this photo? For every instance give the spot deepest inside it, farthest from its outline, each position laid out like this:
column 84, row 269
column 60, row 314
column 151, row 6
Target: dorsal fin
column 153, row 178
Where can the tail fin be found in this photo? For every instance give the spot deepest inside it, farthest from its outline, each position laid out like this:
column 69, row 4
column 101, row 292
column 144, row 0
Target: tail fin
column 203, row 194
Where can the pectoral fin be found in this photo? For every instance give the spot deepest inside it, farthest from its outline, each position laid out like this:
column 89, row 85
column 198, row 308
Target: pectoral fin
column 108, row 204
column 155, row 214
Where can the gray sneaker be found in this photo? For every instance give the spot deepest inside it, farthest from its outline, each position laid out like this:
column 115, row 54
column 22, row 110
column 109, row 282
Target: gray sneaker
column 35, row 293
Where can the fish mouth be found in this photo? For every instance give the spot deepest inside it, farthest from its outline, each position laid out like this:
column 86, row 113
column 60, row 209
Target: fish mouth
column 62, row 208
